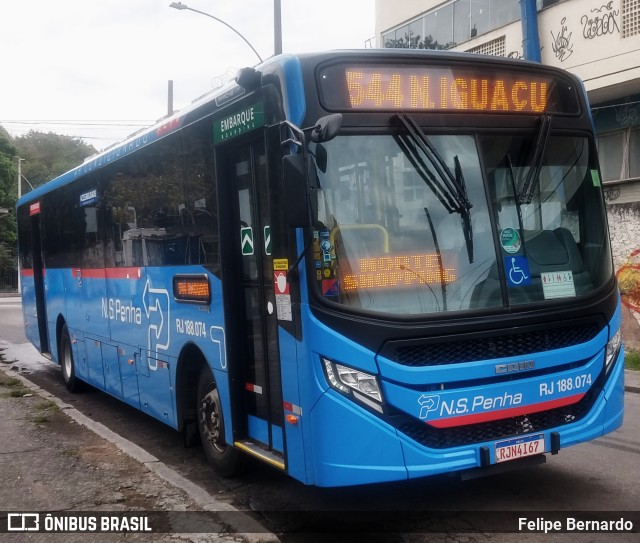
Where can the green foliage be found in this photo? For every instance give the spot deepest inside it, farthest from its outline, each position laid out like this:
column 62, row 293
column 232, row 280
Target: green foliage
column 7, row 201
column 46, row 157
column 49, row 155
column 632, row 360
column 414, row 42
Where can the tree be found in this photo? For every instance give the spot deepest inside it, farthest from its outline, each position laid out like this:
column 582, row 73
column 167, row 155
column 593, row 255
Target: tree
column 49, row 155
column 7, row 201
column 46, row 157
column 413, row 42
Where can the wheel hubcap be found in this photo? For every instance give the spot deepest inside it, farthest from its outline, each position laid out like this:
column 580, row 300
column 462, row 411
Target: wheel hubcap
column 211, row 422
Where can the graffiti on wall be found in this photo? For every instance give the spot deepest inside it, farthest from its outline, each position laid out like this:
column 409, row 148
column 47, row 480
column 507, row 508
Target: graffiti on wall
column 596, row 23
column 627, row 115
column 611, row 194
column 600, row 22
column 629, row 280
column 561, row 42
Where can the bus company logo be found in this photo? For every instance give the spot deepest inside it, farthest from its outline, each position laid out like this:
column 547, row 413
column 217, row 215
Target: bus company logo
column 428, row 403
column 460, row 406
column 515, row 367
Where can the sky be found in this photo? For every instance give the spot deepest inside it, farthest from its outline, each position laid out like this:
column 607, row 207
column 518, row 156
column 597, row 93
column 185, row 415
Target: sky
column 98, row 69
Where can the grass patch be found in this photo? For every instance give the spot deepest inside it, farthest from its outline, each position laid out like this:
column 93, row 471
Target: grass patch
column 10, row 382
column 632, row 360
column 46, row 405
column 18, row 392
column 42, row 410
column 38, row 419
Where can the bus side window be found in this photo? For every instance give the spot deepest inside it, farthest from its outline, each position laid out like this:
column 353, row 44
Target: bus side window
column 163, row 203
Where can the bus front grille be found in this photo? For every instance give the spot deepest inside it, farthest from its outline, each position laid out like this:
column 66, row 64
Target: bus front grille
column 456, row 350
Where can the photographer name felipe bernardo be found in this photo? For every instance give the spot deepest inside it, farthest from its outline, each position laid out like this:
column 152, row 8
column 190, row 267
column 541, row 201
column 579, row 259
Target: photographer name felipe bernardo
column 572, row 524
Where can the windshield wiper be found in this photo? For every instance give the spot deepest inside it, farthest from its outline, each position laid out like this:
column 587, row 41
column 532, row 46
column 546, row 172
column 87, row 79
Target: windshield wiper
column 450, row 189
column 533, row 175
column 513, row 188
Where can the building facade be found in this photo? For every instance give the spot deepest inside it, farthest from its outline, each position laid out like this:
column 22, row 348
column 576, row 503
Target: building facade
column 598, row 40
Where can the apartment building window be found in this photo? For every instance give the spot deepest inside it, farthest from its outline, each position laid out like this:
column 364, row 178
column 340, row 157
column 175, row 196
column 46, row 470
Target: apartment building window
column 619, row 153
column 452, row 23
column 610, row 152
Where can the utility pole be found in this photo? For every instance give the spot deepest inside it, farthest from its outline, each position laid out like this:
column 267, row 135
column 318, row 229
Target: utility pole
column 20, row 161
column 531, row 38
column 277, row 27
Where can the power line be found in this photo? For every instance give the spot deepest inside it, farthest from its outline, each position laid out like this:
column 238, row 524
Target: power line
column 116, row 123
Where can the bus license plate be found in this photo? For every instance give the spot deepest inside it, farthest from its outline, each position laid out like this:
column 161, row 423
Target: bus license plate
column 519, row 447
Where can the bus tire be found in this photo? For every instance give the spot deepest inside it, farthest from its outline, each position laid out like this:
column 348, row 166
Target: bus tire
column 226, row 460
column 65, row 356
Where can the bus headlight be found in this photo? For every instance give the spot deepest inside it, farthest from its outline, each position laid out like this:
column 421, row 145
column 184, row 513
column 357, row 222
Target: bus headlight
column 355, row 383
column 612, row 350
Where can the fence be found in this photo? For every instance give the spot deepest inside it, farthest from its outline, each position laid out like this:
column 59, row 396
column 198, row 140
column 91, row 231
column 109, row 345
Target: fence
column 8, row 280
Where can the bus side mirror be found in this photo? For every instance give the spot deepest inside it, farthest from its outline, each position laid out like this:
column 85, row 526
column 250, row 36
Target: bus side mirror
column 295, row 190
column 326, row 128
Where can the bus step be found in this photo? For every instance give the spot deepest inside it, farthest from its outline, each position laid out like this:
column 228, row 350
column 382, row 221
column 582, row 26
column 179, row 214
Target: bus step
column 271, row 457
column 46, row 355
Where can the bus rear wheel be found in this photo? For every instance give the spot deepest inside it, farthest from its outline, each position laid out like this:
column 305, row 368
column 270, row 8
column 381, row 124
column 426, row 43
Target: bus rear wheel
column 65, row 356
column 225, row 459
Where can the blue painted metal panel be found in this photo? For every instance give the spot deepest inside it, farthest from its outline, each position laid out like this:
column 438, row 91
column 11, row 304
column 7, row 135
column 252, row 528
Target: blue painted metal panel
column 276, row 438
column 351, row 447
column 290, row 362
column 93, row 349
column 111, row 366
column 258, row 429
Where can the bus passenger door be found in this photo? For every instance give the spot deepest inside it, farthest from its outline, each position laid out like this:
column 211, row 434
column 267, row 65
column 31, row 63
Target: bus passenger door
column 250, row 313
column 38, row 284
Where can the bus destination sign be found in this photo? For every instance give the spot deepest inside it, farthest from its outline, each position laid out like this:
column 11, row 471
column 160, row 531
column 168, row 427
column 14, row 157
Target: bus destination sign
column 442, row 89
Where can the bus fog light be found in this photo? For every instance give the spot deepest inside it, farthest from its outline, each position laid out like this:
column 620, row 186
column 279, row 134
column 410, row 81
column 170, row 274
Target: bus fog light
column 612, row 350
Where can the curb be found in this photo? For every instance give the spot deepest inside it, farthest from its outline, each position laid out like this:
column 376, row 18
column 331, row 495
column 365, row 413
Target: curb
column 238, row 523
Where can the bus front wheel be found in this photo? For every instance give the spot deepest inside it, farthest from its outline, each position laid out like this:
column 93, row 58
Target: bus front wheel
column 225, row 459
column 65, row 356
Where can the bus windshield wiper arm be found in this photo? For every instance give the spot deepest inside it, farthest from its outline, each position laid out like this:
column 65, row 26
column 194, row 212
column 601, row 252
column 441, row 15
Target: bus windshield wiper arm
column 533, row 176
column 450, row 189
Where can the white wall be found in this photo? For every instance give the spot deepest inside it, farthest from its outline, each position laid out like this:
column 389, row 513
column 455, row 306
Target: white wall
column 624, row 228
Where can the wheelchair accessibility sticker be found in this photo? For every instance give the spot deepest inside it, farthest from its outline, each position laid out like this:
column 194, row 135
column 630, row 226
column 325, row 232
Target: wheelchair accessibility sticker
column 516, row 269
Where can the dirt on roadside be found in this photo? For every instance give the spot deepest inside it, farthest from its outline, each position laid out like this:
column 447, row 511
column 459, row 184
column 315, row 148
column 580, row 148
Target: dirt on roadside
column 48, row 462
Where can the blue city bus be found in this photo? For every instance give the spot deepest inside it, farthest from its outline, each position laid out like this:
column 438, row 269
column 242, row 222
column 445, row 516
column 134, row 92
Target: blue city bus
column 357, row 266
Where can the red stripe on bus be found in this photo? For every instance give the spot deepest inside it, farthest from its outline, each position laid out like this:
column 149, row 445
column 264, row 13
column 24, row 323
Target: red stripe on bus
column 124, row 273
column 26, row 273
column 504, row 413
column 108, row 273
column 89, row 273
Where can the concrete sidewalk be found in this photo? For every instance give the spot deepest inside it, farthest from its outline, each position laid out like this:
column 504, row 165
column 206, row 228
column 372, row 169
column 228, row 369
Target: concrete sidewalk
column 52, row 460
column 632, row 381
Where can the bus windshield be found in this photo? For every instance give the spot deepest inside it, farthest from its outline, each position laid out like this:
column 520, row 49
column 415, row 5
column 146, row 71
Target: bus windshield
column 423, row 225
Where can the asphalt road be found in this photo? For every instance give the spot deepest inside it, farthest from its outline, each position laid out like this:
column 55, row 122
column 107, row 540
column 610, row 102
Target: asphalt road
column 603, row 475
